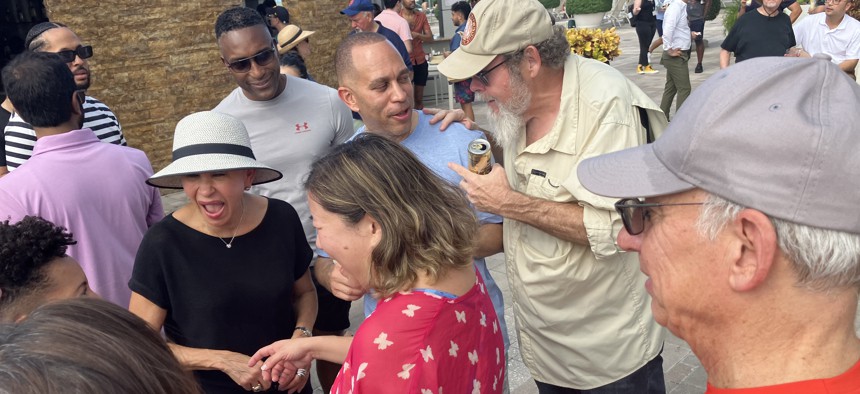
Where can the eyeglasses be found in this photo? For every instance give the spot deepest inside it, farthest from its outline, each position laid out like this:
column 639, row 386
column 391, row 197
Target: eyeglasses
column 634, row 213
column 482, row 75
column 263, row 58
column 84, row 52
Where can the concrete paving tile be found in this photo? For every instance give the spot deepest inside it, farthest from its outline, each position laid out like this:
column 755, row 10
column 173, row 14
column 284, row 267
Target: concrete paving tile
column 684, row 389
column 697, row 378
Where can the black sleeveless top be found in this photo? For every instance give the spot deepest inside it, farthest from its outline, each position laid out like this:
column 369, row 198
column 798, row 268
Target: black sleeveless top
column 646, row 14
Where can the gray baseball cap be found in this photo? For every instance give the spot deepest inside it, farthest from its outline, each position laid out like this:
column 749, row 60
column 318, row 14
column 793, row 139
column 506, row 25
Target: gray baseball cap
column 780, row 135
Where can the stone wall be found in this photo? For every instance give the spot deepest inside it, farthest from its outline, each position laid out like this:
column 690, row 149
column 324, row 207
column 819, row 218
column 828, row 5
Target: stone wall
column 157, row 61
column 330, row 27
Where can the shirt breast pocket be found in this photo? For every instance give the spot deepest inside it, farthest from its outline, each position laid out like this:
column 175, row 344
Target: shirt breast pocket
column 544, row 186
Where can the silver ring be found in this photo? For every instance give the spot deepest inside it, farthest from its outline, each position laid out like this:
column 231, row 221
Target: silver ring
column 301, row 372
column 257, row 388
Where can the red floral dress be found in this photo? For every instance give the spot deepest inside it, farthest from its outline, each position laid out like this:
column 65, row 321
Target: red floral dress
column 424, row 342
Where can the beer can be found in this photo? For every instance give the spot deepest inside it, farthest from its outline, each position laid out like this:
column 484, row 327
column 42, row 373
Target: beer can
column 480, row 156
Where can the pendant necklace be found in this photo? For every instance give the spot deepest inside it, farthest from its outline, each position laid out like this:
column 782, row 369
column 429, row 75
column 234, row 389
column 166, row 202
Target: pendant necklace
column 236, row 231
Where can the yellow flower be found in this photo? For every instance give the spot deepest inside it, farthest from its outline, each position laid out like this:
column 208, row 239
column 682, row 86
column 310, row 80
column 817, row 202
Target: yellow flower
column 598, row 44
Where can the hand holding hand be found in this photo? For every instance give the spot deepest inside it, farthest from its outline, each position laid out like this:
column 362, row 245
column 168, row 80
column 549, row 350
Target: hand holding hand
column 245, row 373
column 487, row 192
column 448, row 116
column 295, row 376
column 280, row 355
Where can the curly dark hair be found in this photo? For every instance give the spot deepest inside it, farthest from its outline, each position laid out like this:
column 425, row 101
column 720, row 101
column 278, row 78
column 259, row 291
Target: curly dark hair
column 237, row 18
column 26, row 248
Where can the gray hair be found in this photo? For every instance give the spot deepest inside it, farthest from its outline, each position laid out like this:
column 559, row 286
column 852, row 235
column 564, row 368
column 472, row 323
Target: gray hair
column 553, row 51
column 822, row 259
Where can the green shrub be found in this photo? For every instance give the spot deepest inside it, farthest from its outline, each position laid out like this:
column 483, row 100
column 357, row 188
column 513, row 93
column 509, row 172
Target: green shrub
column 550, row 4
column 587, row 6
column 711, row 14
column 731, row 15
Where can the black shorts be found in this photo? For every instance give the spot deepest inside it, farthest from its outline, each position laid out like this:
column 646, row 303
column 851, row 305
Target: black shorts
column 699, row 27
column 659, row 28
column 421, row 71
column 332, row 312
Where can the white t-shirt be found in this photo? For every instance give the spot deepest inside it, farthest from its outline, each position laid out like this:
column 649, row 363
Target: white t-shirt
column 841, row 43
column 288, row 133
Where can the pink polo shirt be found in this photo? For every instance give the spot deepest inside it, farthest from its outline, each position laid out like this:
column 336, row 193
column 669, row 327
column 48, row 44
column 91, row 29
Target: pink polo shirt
column 95, row 190
column 393, row 21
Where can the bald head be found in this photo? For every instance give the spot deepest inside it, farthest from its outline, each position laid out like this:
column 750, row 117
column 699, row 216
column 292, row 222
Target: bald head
column 344, row 65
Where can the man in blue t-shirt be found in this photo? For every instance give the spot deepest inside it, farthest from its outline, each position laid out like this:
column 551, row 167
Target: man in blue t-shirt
column 360, row 13
column 374, row 84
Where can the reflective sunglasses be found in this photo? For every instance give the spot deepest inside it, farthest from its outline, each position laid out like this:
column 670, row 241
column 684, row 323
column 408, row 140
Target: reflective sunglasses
column 482, row 76
column 68, row 56
column 263, row 58
column 634, row 213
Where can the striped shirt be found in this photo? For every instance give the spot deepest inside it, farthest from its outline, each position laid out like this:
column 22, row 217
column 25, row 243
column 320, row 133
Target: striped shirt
column 19, row 137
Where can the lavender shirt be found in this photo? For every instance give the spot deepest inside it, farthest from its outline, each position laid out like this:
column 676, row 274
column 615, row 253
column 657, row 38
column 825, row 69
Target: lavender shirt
column 97, row 191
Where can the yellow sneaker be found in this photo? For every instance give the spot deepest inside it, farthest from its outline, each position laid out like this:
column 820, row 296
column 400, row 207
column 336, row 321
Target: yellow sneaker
column 649, row 70
column 639, row 69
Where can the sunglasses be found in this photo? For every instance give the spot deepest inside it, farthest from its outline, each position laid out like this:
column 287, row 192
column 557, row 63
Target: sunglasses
column 68, row 56
column 482, row 76
column 263, row 58
column 634, row 213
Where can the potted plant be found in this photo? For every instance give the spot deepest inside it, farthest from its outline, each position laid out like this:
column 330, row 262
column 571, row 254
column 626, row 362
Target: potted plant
column 598, row 44
column 588, row 13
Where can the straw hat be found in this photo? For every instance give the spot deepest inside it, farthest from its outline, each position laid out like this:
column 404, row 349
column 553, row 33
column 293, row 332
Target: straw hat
column 291, row 36
column 209, row 142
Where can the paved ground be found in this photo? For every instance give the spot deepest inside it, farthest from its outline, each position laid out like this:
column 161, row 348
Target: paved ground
column 683, row 372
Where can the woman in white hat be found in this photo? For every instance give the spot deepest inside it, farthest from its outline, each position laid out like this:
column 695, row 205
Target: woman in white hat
column 227, row 273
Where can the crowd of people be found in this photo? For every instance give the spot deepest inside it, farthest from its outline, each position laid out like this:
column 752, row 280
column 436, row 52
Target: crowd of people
column 763, row 28
column 735, row 229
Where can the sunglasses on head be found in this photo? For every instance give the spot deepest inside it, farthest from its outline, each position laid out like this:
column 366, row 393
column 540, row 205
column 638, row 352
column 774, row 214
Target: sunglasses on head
column 263, row 58
column 68, row 56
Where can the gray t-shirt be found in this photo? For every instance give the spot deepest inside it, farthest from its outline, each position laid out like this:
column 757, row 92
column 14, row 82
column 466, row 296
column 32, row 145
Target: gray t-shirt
column 695, row 10
column 288, row 133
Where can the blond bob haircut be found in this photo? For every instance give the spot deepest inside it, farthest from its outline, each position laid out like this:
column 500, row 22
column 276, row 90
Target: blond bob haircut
column 427, row 224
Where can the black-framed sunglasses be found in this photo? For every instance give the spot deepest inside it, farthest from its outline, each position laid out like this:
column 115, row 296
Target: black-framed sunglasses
column 68, row 56
column 635, row 212
column 262, row 59
column 482, row 75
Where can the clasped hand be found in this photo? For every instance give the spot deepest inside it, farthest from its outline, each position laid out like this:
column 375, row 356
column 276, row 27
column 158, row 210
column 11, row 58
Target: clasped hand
column 282, row 359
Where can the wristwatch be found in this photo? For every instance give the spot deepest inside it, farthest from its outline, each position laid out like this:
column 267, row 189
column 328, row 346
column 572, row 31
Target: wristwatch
column 304, row 331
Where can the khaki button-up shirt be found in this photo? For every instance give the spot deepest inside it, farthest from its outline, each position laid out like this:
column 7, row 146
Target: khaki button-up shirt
column 583, row 314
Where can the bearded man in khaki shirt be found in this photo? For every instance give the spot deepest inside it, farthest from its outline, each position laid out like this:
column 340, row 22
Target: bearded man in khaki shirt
column 582, row 312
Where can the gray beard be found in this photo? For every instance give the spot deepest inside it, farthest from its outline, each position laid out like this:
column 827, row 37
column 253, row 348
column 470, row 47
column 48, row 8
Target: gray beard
column 507, row 124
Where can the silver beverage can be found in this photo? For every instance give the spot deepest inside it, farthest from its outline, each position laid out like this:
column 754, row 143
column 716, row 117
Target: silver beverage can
column 480, row 156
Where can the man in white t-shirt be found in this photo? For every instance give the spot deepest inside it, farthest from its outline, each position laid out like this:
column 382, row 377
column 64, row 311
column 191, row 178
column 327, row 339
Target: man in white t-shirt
column 291, row 122
column 831, row 32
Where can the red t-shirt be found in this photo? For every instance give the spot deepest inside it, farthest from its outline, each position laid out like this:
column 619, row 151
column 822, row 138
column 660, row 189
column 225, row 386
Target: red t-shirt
column 420, row 24
column 419, row 342
column 846, row 383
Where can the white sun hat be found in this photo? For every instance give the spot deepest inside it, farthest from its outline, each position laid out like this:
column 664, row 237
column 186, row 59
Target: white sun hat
column 211, row 142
